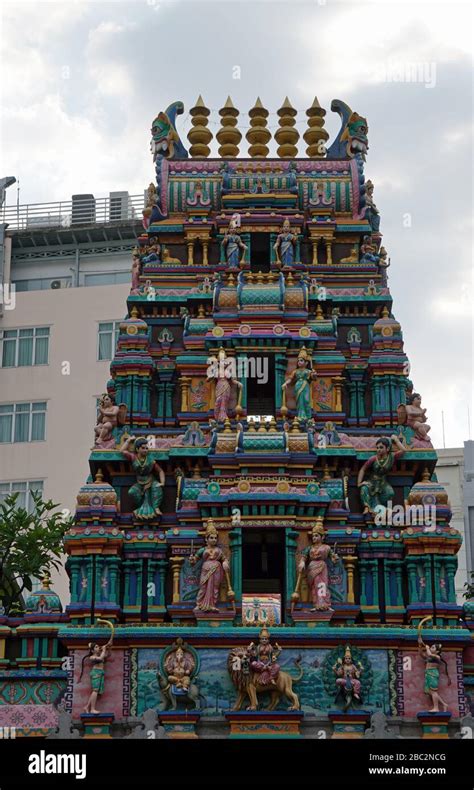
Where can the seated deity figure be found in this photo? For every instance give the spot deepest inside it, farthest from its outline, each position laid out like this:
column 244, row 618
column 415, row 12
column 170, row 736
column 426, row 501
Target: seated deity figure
column 263, row 659
column 179, row 668
column 232, row 243
column 285, row 245
column 109, row 417
column 416, row 416
column 153, row 255
column 368, row 251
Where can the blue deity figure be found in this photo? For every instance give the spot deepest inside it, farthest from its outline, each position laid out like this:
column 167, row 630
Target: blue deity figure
column 231, row 244
column 285, row 245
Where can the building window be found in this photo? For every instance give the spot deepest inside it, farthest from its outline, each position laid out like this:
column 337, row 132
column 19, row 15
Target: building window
column 24, row 347
column 23, row 489
column 107, row 278
column 108, row 336
column 22, row 422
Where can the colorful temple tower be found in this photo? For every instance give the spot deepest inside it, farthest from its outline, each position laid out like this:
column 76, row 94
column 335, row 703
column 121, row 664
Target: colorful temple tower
column 262, row 520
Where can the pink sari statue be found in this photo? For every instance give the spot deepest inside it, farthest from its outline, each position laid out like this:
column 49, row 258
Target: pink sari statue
column 314, row 562
column 213, row 571
column 221, row 369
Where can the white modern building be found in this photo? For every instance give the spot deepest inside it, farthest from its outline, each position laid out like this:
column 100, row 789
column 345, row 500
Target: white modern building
column 69, row 265
column 455, row 471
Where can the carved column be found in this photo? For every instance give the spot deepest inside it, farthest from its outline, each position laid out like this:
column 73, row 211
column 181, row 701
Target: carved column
column 328, row 243
column 350, row 563
column 185, row 383
column 337, row 381
column 205, row 247
column 363, row 576
column 190, row 246
column 176, row 563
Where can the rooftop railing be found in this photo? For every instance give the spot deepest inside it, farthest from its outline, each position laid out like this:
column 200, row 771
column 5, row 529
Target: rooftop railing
column 80, row 210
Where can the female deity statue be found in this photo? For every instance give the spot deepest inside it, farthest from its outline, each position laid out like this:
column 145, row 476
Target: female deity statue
column 110, row 416
column 221, row 369
column 314, row 563
column 285, row 245
column 96, row 657
column 147, row 492
column 263, row 659
column 232, row 243
column 433, row 659
column 136, row 271
column 416, row 416
column 214, row 568
column 375, row 491
column 301, row 377
column 348, row 674
column 372, row 213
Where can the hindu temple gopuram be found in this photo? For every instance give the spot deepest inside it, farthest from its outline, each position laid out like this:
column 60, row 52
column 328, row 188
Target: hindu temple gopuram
column 262, row 547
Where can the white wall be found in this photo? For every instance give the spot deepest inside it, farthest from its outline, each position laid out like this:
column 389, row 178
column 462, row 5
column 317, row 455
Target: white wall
column 62, row 460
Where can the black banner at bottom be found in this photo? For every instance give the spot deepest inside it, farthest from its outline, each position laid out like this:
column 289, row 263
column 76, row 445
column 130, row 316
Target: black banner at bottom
column 30, row 762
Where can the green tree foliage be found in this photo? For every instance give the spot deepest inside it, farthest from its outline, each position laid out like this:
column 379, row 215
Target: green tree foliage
column 469, row 594
column 31, row 544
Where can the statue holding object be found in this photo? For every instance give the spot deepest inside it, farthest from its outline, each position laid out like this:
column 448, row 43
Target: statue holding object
column 314, row 564
column 348, row 676
column 301, row 377
column 147, row 492
column 285, row 245
column 254, row 670
column 221, row 369
column 232, row 243
column 215, row 567
column 110, row 417
column 433, row 658
column 96, row 657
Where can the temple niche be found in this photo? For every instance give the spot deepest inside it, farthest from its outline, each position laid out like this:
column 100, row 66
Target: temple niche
column 262, row 466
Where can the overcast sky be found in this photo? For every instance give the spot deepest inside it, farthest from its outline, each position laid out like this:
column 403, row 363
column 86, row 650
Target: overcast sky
column 82, row 82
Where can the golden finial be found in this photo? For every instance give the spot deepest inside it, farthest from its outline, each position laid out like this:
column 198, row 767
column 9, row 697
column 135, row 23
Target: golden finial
column 258, row 134
column 134, row 312
column 385, row 312
column 316, row 135
column 286, row 135
column 319, row 312
column 326, row 474
column 426, row 477
column 45, row 580
column 227, row 426
column 199, row 135
column 228, row 136
column 201, row 311
column 99, row 476
column 196, row 471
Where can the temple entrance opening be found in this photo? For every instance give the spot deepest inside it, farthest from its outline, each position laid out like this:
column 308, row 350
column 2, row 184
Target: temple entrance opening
column 263, row 569
column 260, row 385
column 260, row 252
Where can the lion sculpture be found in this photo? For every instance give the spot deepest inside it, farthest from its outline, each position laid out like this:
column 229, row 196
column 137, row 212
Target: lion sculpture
column 246, row 682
